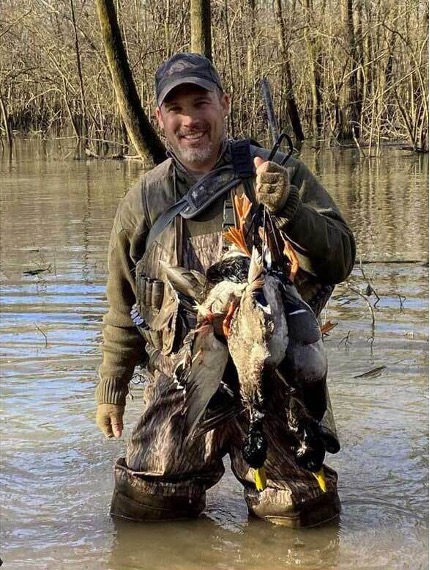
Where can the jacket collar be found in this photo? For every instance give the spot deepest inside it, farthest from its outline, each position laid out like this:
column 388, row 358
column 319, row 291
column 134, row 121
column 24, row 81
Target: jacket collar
column 186, row 177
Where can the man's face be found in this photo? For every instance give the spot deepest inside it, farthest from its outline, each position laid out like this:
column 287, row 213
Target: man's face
column 192, row 119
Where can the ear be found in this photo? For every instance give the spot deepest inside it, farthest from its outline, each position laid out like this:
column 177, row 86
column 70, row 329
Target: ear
column 159, row 116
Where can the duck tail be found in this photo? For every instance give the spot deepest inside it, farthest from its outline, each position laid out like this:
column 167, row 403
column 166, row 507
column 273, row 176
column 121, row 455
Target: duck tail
column 255, row 272
column 242, row 206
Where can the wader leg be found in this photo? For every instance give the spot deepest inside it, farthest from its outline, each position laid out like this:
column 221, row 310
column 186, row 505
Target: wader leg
column 292, row 496
column 161, row 478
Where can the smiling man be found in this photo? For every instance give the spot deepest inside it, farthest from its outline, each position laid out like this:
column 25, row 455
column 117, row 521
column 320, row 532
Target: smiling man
column 192, row 116
column 176, row 216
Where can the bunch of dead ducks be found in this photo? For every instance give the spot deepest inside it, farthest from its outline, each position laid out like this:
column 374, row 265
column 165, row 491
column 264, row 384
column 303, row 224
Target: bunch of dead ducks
column 249, row 312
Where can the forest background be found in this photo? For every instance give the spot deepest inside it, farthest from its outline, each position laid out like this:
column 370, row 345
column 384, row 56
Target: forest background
column 355, row 70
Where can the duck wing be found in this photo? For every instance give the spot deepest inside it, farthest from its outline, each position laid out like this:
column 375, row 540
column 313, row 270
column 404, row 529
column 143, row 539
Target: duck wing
column 302, row 323
column 223, row 406
column 188, row 282
column 202, row 376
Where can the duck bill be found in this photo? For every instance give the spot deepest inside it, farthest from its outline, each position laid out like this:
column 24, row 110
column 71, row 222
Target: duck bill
column 260, row 478
column 319, row 476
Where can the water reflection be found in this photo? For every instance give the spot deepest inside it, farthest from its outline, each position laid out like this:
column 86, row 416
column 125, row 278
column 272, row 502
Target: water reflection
column 256, row 545
column 384, row 200
column 56, row 480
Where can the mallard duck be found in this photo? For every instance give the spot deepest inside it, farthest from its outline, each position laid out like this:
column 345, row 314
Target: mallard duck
column 248, row 308
column 304, row 371
column 239, row 312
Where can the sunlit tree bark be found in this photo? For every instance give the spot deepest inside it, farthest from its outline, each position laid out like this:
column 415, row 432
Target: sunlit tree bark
column 201, row 32
column 140, row 130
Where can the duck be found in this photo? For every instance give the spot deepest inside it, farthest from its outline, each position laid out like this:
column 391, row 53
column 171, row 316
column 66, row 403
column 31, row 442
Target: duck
column 257, row 339
column 249, row 311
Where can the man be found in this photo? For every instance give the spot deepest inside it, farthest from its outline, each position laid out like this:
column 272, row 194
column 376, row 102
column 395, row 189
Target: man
column 163, row 477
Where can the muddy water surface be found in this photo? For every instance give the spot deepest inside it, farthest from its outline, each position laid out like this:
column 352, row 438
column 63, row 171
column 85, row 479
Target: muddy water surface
column 56, row 476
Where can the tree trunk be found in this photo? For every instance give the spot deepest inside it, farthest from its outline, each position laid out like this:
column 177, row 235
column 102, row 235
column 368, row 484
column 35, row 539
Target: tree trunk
column 351, row 112
column 250, row 52
column 142, row 134
column 231, row 117
column 315, row 58
column 201, row 37
column 287, row 76
column 84, row 122
column 5, row 118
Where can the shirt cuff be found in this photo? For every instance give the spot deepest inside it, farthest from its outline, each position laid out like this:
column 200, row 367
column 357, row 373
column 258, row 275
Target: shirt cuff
column 111, row 391
column 291, row 206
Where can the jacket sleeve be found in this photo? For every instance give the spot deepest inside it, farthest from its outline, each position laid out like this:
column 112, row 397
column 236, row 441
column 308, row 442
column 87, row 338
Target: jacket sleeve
column 313, row 222
column 122, row 345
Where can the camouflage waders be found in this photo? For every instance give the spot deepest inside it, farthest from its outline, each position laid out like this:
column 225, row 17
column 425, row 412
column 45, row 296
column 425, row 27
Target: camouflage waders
column 162, row 479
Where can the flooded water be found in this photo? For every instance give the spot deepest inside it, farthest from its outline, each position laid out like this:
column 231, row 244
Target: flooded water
column 56, row 478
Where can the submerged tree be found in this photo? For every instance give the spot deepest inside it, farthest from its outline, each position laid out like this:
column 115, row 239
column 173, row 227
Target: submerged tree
column 140, row 130
column 287, row 76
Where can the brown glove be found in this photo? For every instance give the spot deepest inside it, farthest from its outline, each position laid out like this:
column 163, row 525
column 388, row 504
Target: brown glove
column 109, row 419
column 272, row 185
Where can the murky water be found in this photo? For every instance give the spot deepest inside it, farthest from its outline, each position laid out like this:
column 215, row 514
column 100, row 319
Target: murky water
column 56, row 478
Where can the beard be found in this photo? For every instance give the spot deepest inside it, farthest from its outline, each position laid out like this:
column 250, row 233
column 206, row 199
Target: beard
column 200, row 155
column 195, row 156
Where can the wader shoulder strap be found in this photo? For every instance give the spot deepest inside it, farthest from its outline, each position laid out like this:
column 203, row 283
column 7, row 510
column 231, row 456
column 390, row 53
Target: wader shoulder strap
column 164, row 220
column 209, row 188
column 244, row 167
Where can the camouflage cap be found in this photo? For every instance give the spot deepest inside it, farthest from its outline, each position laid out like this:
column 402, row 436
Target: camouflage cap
column 185, row 68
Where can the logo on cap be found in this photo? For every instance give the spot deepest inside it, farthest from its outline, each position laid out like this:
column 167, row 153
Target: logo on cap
column 178, row 66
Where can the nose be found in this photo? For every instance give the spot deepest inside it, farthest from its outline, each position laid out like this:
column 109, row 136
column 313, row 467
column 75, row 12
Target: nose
column 190, row 116
column 189, row 119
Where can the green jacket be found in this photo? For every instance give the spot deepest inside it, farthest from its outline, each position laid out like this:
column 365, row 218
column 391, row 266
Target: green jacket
column 310, row 219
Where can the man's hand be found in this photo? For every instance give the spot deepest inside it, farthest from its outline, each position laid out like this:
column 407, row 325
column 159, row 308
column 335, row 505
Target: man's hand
column 109, row 419
column 272, row 185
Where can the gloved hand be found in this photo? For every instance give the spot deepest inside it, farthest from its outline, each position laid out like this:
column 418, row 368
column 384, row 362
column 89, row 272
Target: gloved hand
column 272, row 185
column 109, row 419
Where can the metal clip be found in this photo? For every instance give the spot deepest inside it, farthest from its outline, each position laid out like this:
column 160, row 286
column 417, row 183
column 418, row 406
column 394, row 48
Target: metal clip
column 276, row 146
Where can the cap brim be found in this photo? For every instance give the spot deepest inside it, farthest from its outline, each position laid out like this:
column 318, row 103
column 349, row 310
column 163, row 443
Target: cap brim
column 208, row 85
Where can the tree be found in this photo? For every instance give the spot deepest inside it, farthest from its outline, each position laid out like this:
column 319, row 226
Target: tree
column 362, row 73
column 288, row 77
column 141, row 132
column 315, row 58
column 351, row 108
column 201, row 36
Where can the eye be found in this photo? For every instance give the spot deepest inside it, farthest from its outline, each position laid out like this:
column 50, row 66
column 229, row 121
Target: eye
column 202, row 102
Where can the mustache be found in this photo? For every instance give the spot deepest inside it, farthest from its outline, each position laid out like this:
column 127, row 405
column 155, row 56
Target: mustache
column 183, row 132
